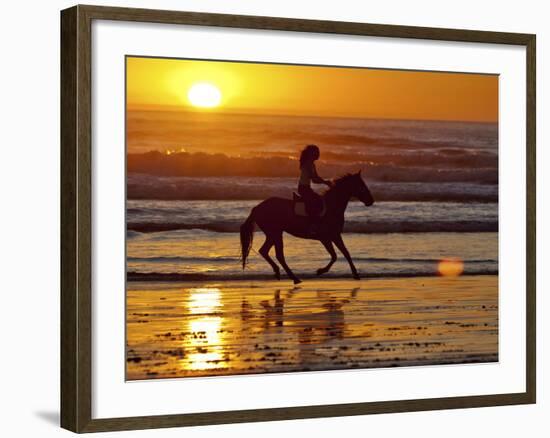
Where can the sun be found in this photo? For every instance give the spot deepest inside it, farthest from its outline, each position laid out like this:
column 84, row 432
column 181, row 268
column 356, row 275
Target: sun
column 204, row 95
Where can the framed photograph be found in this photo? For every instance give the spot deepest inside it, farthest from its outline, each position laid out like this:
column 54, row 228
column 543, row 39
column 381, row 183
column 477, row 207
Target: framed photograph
column 268, row 218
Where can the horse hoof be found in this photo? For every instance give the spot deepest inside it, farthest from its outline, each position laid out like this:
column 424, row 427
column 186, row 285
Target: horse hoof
column 356, row 276
column 278, row 275
column 297, row 281
column 320, row 272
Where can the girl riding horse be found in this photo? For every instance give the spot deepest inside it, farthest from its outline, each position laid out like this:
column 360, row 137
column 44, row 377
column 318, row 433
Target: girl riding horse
column 308, row 175
column 275, row 216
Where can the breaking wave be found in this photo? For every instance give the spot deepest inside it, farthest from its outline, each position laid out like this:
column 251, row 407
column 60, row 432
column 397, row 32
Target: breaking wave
column 245, row 188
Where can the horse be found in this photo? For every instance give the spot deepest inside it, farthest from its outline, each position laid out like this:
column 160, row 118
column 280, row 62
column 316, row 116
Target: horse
column 276, row 215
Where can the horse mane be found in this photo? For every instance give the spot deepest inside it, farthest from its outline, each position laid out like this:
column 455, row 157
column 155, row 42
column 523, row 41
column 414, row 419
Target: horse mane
column 344, row 178
column 339, row 182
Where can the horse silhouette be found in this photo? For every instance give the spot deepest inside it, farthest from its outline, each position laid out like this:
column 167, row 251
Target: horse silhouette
column 276, row 215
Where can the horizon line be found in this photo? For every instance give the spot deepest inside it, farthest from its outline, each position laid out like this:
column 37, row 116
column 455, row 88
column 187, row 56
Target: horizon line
column 245, row 112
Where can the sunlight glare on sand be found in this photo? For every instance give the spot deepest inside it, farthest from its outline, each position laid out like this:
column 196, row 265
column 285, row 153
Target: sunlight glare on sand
column 450, row 267
column 204, row 300
column 205, row 329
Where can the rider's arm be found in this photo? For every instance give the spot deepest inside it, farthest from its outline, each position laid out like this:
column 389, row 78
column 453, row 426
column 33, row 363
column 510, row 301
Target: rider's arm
column 316, row 178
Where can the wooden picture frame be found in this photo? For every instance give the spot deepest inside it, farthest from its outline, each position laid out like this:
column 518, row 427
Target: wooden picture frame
column 76, row 218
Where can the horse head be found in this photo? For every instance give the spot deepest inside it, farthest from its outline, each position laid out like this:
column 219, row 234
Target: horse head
column 353, row 185
column 361, row 191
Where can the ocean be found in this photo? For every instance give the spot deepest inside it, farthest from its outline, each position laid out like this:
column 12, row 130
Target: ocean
column 194, row 177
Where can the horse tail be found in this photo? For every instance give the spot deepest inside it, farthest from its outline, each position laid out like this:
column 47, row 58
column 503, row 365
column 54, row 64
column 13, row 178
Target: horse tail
column 247, row 236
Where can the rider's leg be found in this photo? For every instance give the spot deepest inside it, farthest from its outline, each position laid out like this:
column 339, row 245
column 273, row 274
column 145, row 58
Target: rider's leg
column 313, row 203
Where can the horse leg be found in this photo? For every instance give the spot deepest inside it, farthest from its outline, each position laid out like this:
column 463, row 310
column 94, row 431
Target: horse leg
column 342, row 247
column 330, row 249
column 279, row 253
column 264, row 251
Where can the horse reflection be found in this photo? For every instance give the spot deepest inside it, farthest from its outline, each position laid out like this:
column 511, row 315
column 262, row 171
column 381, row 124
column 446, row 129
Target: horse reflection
column 314, row 327
column 274, row 314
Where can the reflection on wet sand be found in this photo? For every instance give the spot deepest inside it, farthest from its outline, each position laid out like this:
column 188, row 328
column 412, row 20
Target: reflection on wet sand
column 205, row 340
column 179, row 330
column 311, row 328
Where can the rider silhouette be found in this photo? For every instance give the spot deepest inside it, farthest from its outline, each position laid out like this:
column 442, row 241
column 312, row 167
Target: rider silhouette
column 313, row 201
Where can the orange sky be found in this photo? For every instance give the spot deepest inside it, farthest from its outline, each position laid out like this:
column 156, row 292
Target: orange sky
column 315, row 91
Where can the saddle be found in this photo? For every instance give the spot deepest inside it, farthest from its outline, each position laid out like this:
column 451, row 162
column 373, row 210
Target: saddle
column 300, row 206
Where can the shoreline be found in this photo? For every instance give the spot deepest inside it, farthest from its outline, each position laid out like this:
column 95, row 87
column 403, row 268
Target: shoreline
column 177, row 277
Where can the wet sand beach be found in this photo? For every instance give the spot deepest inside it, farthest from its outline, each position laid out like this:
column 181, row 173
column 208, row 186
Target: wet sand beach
column 210, row 328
